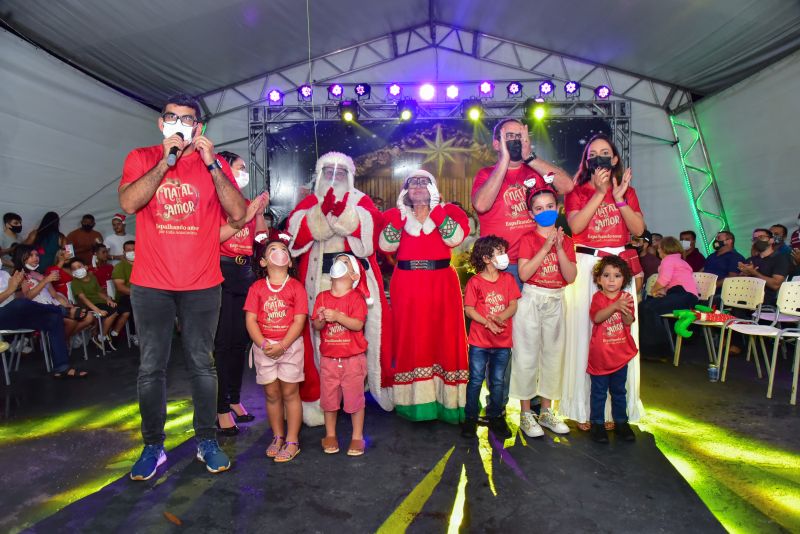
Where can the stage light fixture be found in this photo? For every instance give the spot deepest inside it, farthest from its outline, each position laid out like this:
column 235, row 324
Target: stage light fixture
column 572, row 89
column 394, row 91
column 602, row 92
column 407, row 110
column 546, row 89
column 275, row 97
column 514, row 89
column 452, row 92
column 348, row 110
column 427, row 91
column 335, row 91
column 363, row 91
column 472, row 109
column 304, row 93
column 535, row 108
column 486, row 89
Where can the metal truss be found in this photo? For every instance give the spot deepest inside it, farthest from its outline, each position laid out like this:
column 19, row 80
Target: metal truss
column 698, row 175
column 266, row 120
column 530, row 61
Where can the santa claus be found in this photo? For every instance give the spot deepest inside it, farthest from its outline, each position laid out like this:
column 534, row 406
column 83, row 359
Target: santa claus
column 339, row 218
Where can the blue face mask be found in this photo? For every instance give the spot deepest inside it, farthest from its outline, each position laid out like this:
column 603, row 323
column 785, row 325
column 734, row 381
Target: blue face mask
column 546, row 218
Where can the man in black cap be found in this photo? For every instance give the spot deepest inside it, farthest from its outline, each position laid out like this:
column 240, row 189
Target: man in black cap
column 649, row 261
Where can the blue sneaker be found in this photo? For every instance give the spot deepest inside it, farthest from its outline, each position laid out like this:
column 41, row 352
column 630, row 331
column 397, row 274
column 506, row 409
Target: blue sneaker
column 145, row 467
column 209, row 453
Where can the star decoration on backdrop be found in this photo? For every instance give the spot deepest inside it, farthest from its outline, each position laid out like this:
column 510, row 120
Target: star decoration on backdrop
column 439, row 150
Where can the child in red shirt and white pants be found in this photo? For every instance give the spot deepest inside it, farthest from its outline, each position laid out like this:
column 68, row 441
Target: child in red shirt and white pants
column 611, row 347
column 339, row 315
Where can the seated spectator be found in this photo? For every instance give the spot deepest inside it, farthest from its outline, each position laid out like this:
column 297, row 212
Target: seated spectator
column 648, row 256
column 767, row 264
column 65, row 277
column 795, row 241
column 122, row 282
column 102, row 267
column 675, row 289
column 654, row 242
column 117, row 239
column 724, row 262
column 781, row 235
column 88, row 292
column 47, row 238
column 38, row 288
column 17, row 314
column 84, row 238
column 10, row 238
column 690, row 253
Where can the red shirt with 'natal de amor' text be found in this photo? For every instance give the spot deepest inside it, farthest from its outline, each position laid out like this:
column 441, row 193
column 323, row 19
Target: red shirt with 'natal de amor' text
column 611, row 346
column 606, row 228
column 177, row 232
column 275, row 310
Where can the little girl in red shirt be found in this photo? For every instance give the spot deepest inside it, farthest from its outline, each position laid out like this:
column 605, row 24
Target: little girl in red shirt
column 611, row 347
column 276, row 310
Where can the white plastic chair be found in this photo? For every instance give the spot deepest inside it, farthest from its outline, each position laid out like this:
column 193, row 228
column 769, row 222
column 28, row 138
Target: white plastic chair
column 740, row 292
column 111, row 289
column 706, row 286
column 788, row 303
column 71, row 298
column 12, row 356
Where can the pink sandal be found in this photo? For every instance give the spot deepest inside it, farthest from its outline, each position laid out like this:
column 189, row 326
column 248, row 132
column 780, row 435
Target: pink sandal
column 284, row 455
column 274, row 448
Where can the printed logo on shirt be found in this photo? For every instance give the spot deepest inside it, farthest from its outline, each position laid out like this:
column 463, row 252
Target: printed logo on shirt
column 243, row 233
column 606, row 216
column 495, row 302
column 514, row 199
column 614, row 329
column 549, row 265
column 274, row 309
column 333, row 333
column 176, row 201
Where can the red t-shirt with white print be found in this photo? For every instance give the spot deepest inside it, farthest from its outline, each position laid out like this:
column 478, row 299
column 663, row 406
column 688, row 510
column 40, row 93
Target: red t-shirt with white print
column 549, row 272
column 490, row 297
column 337, row 341
column 240, row 243
column 611, row 346
column 177, row 232
column 508, row 217
column 606, row 228
column 275, row 310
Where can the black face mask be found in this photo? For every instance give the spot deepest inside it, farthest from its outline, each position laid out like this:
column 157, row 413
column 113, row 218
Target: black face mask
column 761, row 246
column 599, row 162
column 718, row 245
column 16, row 228
column 514, row 150
column 87, row 227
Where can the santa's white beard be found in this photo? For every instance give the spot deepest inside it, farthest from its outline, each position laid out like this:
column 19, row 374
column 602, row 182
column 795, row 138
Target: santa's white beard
column 339, row 190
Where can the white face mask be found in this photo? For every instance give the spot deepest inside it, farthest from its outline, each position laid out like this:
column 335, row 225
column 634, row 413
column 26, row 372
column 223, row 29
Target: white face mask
column 171, row 129
column 686, row 244
column 79, row 273
column 31, row 267
column 242, row 179
column 500, row 262
column 130, row 255
column 338, row 269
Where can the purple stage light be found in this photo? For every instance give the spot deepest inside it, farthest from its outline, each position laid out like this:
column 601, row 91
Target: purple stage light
column 514, row 88
column 304, row 92
column 486, row 88
column 546, row 88
column 570, row 88
column 394, row 90
column 452, row 92
column 602, row 92
column 363, row 91
column 427, row 92
column 275, row 97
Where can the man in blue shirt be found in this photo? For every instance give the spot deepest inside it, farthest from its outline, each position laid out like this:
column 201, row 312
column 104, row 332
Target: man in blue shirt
column 725, row 260
column 781, row 235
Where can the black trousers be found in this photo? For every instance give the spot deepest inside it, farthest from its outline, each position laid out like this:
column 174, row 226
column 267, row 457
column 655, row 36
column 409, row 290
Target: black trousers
column 232, row 340
column 651, row 325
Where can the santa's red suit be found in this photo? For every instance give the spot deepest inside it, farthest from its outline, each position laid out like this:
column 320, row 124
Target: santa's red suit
column 339, row 218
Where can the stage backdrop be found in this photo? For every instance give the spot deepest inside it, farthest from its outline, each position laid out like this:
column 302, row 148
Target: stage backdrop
column 386, row 152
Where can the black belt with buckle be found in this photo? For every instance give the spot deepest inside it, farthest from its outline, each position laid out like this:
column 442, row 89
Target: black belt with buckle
column 238, row 260
column 592, row 251
column 329, row 257
column 422, row 265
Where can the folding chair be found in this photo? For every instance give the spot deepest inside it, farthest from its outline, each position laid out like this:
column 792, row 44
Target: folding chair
column 111, row 289
column 12, row 356
column 739, row 292
column 71, row 298
column 788, row 303
column 706, row 288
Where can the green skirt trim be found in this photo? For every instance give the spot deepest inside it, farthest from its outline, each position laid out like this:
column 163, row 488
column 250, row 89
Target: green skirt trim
column 431, row 411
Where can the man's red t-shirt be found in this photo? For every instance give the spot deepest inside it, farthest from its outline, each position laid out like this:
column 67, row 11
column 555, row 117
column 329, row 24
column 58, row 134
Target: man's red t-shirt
column 606, row 228
column 611, row 346
column 275, row 311
column 240, row 243
column 549, row 272
column 508, row 217
column 177, row 232
column 490, row 297
column 337, row 341
column 103, row 274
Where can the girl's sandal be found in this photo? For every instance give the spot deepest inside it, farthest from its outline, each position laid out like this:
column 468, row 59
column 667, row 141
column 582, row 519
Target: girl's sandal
column 585, row 427
column 330, row 445
column 274, row 447
column 609, row 425
column 356, row 447
column 284, row 455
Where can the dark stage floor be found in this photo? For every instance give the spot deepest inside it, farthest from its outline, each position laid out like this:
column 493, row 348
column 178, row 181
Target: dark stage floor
column 709, row 457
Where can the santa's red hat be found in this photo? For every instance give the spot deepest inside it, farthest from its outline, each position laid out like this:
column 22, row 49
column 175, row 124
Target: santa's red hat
column 119, row 217
column 362, row 275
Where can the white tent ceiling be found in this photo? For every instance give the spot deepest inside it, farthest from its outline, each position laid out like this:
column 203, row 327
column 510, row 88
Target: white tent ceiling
column 152, row 48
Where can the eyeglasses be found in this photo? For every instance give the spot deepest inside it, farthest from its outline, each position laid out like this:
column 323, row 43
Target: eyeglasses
column 513, row 137
column 186, row 120
column 340, row 173
column 419, row 181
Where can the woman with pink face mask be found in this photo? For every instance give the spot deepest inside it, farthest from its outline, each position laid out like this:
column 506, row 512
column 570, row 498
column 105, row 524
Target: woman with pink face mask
column 237, row 240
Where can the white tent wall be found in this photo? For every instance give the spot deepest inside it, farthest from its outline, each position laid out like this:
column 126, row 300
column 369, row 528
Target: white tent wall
column 63, row 139
column 655, row 164
column 751, row 133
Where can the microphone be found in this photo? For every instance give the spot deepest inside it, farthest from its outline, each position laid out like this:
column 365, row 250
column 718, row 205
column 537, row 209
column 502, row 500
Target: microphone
column 172, row 157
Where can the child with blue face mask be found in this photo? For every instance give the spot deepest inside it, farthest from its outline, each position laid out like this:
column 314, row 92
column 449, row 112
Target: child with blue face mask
column 546, row 265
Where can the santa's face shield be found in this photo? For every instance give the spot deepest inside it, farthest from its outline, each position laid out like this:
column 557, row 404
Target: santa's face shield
column 335, row 176
column 418, row 194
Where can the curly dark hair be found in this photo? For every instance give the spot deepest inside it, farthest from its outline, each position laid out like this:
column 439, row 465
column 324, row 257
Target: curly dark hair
column 617, row 263
column 260, row 252
column 485, row 246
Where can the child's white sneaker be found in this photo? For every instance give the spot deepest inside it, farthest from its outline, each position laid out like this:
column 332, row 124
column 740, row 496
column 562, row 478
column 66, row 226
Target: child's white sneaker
column 528, row 424
column 555, row 423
